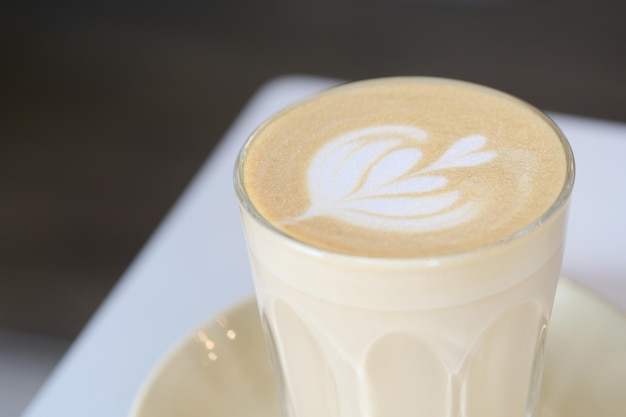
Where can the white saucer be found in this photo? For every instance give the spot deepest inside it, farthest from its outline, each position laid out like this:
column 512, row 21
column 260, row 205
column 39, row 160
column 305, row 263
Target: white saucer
column 222, row 370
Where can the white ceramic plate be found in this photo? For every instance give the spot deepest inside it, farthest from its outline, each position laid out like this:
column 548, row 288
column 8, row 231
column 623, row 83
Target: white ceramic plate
column 222, row 370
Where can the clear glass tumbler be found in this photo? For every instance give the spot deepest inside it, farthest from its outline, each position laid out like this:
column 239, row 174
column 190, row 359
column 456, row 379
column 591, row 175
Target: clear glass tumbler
column 458, row 335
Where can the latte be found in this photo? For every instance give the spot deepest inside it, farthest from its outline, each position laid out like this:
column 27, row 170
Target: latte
column 405, row 167
column 405, row 237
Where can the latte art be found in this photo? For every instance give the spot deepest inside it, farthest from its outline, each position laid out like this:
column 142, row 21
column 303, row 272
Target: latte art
column 372, row 178
column 404, row 167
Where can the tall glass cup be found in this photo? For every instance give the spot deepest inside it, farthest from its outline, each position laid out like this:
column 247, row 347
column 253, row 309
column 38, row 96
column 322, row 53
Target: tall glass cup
column 457, row 334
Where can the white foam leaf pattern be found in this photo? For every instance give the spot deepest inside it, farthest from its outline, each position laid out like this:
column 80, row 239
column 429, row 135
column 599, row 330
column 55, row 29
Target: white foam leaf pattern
column 461, row 154
column 371, row 177
column 402, row 206
column 391, row 166
column 419, row 184
column 323, row 168
column 349, row 173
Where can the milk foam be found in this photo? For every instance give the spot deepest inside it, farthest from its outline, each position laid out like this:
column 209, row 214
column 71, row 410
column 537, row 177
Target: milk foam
column 405, row 167
column 370, row 178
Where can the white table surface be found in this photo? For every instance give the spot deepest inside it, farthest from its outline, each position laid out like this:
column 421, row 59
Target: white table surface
column 195, row 263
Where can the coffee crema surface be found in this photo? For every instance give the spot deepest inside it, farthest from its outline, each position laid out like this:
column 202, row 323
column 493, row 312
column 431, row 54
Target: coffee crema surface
column 405, row 167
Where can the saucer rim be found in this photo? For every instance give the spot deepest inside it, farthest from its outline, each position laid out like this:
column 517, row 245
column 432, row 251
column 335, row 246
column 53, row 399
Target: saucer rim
column 173, row 351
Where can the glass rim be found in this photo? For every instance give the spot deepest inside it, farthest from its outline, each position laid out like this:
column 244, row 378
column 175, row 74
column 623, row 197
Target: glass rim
column 561, row 200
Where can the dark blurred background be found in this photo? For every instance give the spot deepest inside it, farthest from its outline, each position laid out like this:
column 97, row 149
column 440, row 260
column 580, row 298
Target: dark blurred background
column 107, row 109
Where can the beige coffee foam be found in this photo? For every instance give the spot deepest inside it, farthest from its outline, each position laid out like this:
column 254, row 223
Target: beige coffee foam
column 518, row 186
